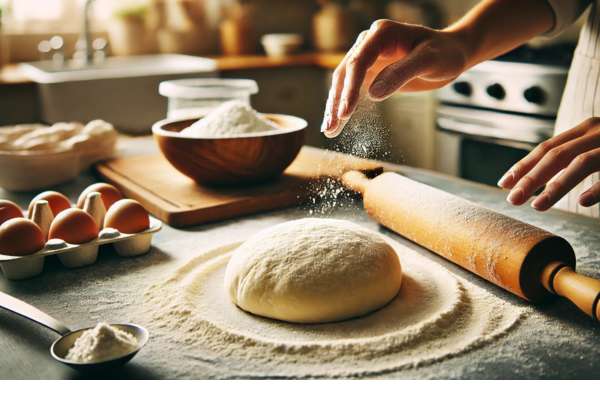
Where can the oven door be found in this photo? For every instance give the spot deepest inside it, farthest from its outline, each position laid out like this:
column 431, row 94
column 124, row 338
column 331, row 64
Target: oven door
column 480, row 145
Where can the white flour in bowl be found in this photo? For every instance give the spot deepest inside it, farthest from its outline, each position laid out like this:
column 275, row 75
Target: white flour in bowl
column 229, row 119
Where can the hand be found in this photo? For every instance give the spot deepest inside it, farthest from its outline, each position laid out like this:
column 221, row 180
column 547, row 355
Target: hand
column 575, row 152
column 392, row 56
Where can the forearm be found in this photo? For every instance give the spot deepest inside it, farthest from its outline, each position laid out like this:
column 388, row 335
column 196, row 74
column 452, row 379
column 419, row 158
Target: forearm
column 494, row 27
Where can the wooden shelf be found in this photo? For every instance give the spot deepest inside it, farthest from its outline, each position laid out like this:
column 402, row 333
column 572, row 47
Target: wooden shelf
column 227, row 63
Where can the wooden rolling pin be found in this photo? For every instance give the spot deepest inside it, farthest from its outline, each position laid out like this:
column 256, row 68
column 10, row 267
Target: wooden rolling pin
column 523, row 259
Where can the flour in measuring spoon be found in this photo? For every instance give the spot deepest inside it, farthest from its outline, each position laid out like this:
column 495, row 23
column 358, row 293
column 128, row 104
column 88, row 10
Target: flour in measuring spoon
column 229, row 119
column 101, row 343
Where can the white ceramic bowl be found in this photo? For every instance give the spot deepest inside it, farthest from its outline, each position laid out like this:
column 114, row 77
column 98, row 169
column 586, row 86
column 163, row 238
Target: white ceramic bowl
column 34, row 170
column 281, row 44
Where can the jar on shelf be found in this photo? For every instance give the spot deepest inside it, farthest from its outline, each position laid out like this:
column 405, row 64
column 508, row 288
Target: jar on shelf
column 334, row 27
column 182, row 27
column 3, row 39
column 194, row 98
column 237, row 32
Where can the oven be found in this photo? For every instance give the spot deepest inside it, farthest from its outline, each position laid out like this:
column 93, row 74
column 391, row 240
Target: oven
column 493, row 115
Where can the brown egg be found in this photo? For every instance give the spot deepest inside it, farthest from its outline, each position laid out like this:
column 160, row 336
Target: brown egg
column 127, row 216
column 109, row 193
column 57, row 201
column 20, row 237
column 9, row 210
column 74, row 226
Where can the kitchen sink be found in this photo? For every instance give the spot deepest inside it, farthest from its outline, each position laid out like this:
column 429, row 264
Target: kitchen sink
column 120, row 90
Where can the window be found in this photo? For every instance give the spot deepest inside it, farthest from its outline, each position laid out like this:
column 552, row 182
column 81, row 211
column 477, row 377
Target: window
column 52, row 16
column 23, row 10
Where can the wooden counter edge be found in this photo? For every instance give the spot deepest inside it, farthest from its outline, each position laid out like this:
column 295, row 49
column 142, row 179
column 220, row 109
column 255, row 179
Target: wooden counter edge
column 11, row 75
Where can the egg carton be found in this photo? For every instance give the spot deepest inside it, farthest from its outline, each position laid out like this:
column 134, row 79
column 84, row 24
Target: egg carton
column 79, row 255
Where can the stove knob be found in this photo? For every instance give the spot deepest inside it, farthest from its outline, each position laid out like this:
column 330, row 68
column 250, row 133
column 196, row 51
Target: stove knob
column 463, row 88
column 535, row 95
column 496, row 91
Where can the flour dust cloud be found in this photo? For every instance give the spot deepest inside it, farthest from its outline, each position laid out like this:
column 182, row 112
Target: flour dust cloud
column 365, row 135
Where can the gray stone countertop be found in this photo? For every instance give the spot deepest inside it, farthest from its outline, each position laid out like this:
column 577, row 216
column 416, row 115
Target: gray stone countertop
column 554, row 341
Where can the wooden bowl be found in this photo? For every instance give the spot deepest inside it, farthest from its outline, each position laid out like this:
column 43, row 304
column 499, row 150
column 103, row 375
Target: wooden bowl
column 243, row 159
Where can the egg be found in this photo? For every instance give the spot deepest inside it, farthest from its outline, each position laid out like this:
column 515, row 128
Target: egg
column 9, row 210
column 74, row 226
column 127, row 216
column 109, row 193
column 58, row 202
column 20, row 237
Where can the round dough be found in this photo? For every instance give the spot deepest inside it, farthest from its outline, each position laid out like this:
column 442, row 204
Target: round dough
column 313, row 270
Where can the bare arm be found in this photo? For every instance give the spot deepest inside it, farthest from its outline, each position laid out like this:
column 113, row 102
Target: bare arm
column 494, row 27
column 393, row 56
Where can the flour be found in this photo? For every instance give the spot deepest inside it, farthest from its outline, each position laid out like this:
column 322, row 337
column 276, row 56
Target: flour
column 101, row 343
column 365, row 135
column 229, row 119
column 436, row 315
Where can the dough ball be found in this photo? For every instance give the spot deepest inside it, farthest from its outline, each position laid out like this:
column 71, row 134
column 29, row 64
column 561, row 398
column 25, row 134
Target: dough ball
column 313, row 270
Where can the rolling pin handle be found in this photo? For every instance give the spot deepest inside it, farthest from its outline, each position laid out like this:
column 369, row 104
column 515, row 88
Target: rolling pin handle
column 356, row 181
column 583, row 291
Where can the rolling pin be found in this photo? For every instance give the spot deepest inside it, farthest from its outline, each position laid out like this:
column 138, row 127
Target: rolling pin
column 523, row 259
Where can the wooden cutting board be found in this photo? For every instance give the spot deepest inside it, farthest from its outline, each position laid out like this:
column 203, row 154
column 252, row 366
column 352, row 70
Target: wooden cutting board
column 179, row 201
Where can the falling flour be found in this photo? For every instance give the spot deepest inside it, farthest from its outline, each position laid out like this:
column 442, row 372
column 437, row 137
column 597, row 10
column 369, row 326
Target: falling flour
column 229, row 119
column 436, row 315
column 365, row 135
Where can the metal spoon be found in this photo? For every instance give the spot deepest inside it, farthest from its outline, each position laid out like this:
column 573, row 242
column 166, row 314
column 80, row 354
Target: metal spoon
column 61, row 346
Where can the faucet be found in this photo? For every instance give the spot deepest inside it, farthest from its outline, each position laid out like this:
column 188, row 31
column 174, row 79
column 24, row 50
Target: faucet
column 84, row 44
column 87, row 51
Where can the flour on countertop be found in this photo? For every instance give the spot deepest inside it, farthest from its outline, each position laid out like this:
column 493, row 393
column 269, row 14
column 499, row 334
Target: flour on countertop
column 435, row 316
column 229, row 119
column 554, row 340
column 102, row 342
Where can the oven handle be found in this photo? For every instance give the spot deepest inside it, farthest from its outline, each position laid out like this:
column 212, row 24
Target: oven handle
column 493, row 140
column 450, row 124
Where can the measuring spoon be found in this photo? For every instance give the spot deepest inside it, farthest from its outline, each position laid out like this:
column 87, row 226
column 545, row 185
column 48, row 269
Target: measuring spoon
column 61, row 346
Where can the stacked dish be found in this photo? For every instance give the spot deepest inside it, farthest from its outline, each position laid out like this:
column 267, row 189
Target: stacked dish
column 35, row 156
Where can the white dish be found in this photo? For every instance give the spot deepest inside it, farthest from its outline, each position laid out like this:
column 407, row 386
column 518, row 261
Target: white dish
column 281, row 44
column 29, row 171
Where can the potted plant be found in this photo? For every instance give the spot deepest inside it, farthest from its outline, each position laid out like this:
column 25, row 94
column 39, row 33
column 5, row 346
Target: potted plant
column 128, row 30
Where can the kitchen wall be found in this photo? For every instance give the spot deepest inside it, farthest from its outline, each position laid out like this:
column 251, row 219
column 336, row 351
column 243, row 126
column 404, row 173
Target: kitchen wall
column 299, row 91
column 269, row 16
